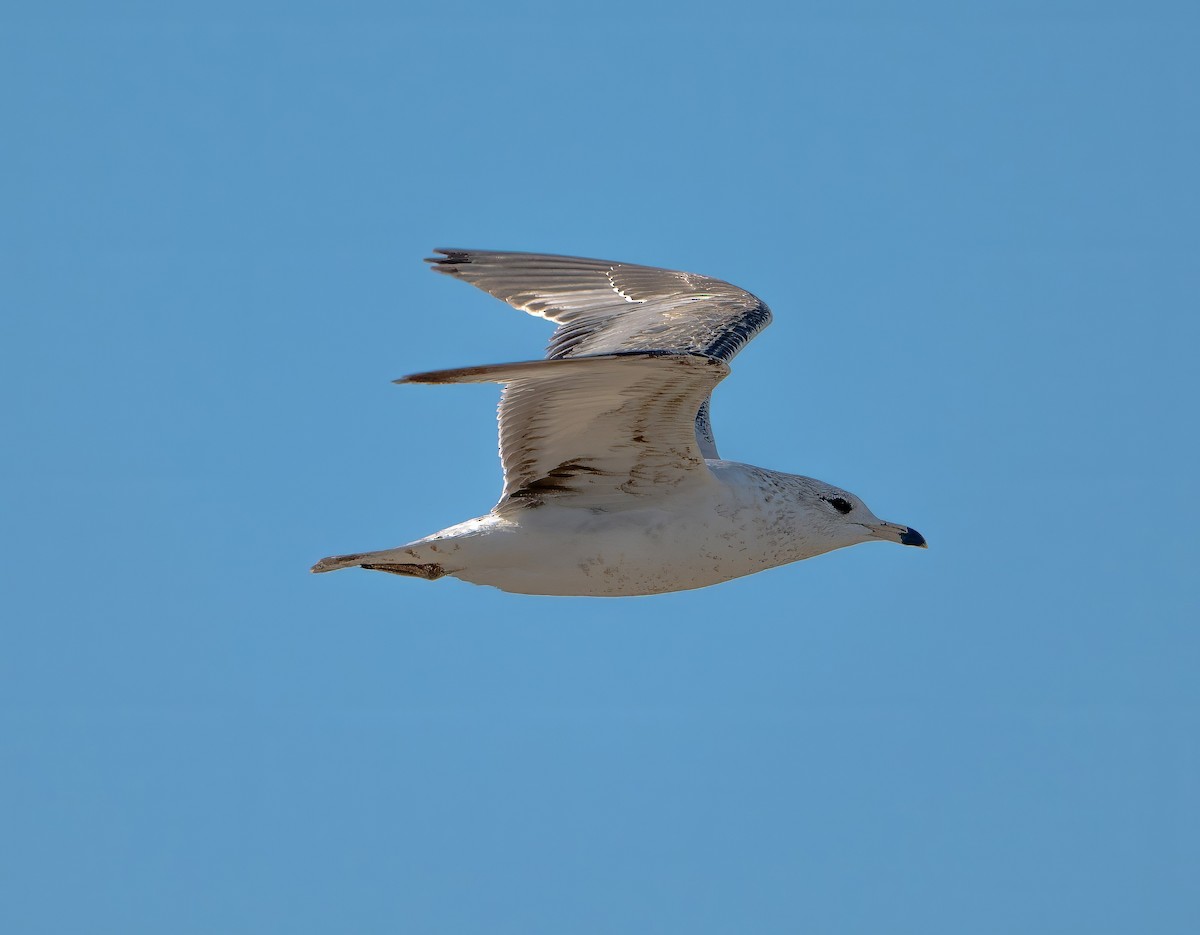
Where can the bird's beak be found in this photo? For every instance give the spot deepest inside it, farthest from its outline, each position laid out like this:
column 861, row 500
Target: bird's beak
column 894, row 532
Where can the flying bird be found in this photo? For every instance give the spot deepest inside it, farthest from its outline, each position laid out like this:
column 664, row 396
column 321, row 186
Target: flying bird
column 612, row 481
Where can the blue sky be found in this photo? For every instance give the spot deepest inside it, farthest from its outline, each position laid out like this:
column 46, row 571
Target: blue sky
column 977, row 230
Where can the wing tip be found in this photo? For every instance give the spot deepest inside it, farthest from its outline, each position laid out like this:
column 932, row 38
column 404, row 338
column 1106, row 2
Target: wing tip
column 450, row 260
column 454, row 257
column 453, row 375
column 503, row 373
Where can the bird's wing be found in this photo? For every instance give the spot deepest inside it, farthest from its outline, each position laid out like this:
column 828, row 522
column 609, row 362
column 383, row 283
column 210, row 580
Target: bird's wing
column 602, row 431
column 604, row 307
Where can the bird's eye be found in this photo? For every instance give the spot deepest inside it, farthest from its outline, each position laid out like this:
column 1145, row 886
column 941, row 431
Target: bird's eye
column 841, row 504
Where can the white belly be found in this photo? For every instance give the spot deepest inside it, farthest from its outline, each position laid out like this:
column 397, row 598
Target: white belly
column 641, row 552
column 673, row 547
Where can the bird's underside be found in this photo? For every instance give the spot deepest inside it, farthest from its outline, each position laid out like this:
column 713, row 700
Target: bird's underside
column 612, row 481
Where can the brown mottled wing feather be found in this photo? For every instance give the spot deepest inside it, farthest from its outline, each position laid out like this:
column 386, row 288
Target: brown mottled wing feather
column 601, row 430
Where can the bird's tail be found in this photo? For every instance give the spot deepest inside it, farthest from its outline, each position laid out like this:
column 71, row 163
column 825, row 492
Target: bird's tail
column 406, row 560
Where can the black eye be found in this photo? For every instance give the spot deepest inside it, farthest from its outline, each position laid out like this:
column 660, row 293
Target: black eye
column 841, row 504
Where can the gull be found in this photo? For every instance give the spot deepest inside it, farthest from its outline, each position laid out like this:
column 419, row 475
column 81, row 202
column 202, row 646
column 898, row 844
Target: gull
column 612, row 481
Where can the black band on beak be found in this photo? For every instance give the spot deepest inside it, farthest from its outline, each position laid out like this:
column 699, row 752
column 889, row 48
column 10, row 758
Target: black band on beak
column 911, row 537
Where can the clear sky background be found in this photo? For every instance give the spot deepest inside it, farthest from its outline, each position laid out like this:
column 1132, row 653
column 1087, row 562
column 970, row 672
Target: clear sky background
column 977, row 226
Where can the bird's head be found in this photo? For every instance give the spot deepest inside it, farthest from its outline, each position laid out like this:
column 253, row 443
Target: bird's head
column 843, row 518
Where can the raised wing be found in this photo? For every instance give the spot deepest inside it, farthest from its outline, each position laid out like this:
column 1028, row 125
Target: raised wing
column 604, row 307
column 602, row 431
